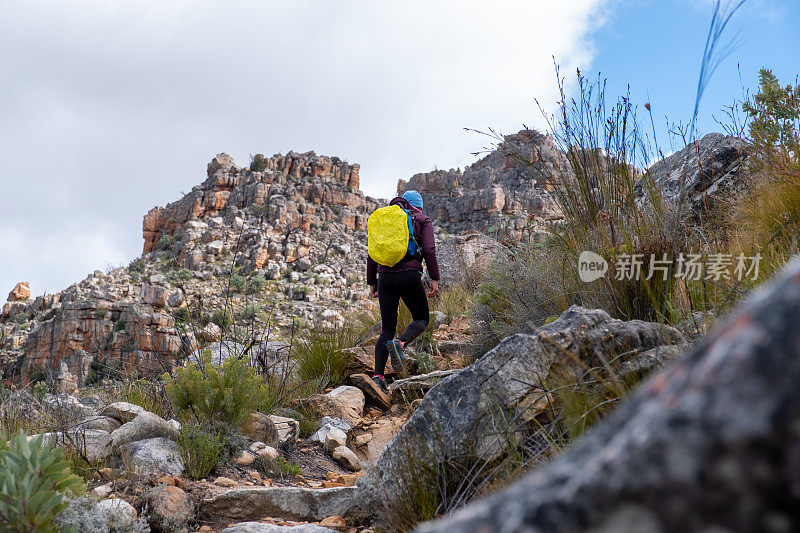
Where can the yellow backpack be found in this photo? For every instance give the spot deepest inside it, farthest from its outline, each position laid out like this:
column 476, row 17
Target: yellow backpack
column 390, row 235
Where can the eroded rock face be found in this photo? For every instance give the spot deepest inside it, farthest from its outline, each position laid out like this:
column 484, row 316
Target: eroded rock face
column 302, row 189
column 463, row 414
column 21, row 291
column 709, row 169
column 709, row 444
column 131, row 336
column 464, row 258
column 499, row 186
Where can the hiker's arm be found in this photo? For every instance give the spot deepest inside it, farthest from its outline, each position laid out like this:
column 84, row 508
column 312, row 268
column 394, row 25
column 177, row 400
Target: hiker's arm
column 372, row 275
column 429, row 251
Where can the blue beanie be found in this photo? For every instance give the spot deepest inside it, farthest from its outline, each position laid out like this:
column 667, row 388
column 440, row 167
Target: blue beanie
column 414, row 198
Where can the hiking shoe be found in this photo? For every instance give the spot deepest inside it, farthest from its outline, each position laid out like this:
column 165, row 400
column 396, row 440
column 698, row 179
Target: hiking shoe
column 380, row 381
column 396, row 355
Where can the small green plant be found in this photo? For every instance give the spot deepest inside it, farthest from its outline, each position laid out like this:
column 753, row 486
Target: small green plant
column 258, row 163
column 222, row 318
column 425, row 364
column 165, row 242
column 148, row 394
column 137, row 265
column 119, row 325
column 35, row 479
column 256, row 283
column 323, row 356
column 100, row 313
column 182, row 314
column 238, row 283
column 40, row 390
column 183, row 274
column 228, row 393
column 251, row 311
column 201, row 449
column 287, row 467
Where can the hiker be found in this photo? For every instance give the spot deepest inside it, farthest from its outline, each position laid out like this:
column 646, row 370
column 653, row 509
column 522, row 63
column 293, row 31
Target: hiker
column 403, row 280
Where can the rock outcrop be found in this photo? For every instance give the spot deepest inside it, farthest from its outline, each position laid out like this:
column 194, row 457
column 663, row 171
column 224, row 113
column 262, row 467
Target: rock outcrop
column 707, row 170
column 506, row 190
column 709, row 444
column 463, row 415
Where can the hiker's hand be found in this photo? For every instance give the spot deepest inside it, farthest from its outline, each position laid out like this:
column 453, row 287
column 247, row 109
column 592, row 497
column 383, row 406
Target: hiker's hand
column 373, row 291
column 434, row 289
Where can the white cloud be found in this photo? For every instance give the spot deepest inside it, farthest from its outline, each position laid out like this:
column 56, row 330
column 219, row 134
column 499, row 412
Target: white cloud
column 110, row 108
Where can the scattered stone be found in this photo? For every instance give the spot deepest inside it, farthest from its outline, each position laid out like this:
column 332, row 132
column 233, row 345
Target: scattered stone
column 326, row 424
column 374, row 395
column 225, row 482
column 169, row 509
column 245, row 459
column 261, row 428
column 116, row 511
column 288, row 431
column 334, row 439
column 362, row 440
column 333, row 521
column 269, row 452
column 104, row 423
column 151, row 457
column 102, row 491
column 166, row 480
column 345, row 457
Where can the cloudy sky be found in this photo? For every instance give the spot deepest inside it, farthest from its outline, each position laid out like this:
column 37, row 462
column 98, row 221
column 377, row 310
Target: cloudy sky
column 109, row 108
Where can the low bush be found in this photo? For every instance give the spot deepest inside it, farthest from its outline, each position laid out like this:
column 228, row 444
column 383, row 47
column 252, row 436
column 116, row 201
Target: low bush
column 201, row 449
column 137, row 265
column 35, row 479
column 256, row 283
column 287, row 467
column 228, row 393
column 150, row 395
column 222, row 318
column 183, row 274
column 237, row 283
column 322, row 358
column 165, row 242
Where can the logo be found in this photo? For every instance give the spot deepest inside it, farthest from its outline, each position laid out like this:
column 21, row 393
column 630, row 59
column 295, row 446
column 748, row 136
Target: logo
column 591, row 266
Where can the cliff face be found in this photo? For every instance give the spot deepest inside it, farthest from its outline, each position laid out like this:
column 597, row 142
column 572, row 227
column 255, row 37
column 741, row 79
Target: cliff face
column 506, row 187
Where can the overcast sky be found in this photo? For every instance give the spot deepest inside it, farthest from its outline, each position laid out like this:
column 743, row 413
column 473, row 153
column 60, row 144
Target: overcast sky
column 108, row 108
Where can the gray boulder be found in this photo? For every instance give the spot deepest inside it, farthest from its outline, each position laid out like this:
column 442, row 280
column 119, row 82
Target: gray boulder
column 123, row 411
column 220, row 352
column 709, row 170
column 467, row 413
column 709, row 444
column 287, row 503
column 145, row 426
column 151, row 457
column 326, row 425
column 260, row 527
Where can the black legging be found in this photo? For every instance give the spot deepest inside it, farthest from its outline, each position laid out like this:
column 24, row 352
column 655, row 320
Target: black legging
column 392, row 286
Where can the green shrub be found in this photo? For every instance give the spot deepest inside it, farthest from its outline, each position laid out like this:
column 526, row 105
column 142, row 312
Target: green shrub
column 258, row 163
column 137, row 265
column 40, row 390
column 34, row 480
column 148, row 394
column 256, row 283
column 182, row 314
column 322, row 357
column 287, row 467
column 165, row 242
column 228, row 393
column 100, row 313
column 222, row 318
column 183, row 274
column 238, row 283
column 119, row 325
column 201, row 449
column 251, row 311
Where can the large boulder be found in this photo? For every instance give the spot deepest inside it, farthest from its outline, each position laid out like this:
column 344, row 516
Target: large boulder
column 711, row 443
column 151, row 457
column 287, row 503
column 706, row 171
column 260, row 527
column 21, row 291
column 169, row 508
column 466, row 412
column 345, row 402
column 464, row 258
column 146, row 425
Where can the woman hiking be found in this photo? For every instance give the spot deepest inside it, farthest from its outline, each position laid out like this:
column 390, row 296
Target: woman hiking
column 403, row 281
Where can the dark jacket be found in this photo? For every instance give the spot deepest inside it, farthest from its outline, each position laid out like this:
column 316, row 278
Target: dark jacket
column 423, row 231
